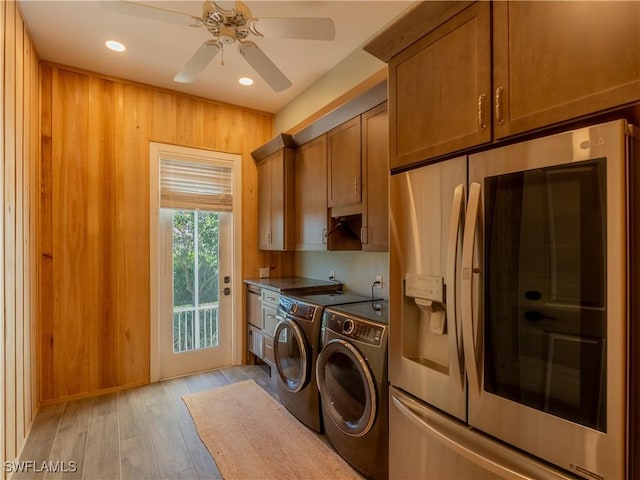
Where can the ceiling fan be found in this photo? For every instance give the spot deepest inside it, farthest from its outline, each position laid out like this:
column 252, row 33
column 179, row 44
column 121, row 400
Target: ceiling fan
column 234, row 24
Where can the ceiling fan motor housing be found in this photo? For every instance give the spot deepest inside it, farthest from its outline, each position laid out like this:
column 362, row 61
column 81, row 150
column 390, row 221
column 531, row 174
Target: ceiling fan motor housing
column 226, row 25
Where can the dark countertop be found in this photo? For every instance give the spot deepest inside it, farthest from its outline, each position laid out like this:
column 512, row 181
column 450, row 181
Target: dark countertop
column 292, row 284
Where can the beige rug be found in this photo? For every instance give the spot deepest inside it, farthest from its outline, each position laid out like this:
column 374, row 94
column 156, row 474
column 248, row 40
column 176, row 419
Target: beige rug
column 252, row 436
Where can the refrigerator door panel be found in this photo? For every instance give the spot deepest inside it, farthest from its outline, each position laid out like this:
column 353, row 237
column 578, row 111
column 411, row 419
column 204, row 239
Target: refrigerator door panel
column 552, row 369
column 425, row 333
column 425, row 444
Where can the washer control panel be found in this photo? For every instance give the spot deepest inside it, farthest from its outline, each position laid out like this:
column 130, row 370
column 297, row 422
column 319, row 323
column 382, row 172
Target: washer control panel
column 296, row 309
column 354, row 328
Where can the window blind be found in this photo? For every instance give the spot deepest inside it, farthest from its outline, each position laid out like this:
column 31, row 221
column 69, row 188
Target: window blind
column 189, row 185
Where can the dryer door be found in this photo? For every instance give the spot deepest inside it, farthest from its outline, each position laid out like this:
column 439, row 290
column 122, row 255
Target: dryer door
column 346, row 387
column 292, row 355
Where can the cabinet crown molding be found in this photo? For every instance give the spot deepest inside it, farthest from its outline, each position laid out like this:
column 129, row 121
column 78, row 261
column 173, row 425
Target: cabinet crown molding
column 412, row 26
column 281, row 140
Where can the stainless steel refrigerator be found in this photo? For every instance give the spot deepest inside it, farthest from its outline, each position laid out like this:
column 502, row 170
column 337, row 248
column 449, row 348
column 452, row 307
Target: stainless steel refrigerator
column 508, row 311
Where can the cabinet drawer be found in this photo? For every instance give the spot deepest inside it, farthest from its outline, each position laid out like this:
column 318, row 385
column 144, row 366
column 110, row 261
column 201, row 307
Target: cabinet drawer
column 269, row 320
column 255, row 341
column 268, row 351
column 270, row 297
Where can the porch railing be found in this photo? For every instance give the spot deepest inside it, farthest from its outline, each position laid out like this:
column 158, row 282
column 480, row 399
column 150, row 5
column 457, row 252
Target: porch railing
column 195, row 327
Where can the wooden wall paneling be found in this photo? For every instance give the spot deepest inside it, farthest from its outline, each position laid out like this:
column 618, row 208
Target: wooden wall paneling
column 163, row 127
column 9, row 229
column 231, row 131
column 132, row 292
column 186, row 118
column 105, row 110
column 72, row 265
column 2, row 313
column 19, row 229
column 45, row 239
column 30, row 192
column 94, row 169
column 207, row 114
column 255, row 127
column 35, row 195
column 26, row 231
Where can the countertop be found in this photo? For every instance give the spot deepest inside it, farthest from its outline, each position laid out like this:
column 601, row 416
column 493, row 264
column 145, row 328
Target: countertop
column 292, row 284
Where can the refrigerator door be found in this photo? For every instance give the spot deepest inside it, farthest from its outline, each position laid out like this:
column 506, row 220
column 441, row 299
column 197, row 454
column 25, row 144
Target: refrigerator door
column 425, row 342
column 425, row 444
column 544, row 298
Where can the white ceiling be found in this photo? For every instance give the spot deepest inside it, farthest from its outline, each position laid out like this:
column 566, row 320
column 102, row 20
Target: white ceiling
column 73, row 33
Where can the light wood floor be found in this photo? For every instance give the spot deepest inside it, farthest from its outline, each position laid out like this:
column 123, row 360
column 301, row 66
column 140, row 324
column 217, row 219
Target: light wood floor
column 143, row 433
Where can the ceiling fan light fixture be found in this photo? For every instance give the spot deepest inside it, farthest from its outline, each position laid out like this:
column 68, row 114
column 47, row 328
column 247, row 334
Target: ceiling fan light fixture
column 245, row 81
column 115, row 46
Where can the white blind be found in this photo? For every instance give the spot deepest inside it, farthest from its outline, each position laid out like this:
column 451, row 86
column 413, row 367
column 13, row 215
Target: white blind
column 195, row 186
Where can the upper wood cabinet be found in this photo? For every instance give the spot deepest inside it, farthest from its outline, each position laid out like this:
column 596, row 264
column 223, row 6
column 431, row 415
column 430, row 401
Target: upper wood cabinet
column 311, row 195
column 345, row 166
column 375, row 173
column 552, row 62
column 440, row 89
column 555, row 61
column 275, row 200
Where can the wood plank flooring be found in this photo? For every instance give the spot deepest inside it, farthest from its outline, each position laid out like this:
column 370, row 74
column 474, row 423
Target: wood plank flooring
column 143, row 433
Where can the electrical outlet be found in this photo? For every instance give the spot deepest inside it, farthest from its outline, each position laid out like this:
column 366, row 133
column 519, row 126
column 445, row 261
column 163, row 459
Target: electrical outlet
column 264, row 272
column 379, row 280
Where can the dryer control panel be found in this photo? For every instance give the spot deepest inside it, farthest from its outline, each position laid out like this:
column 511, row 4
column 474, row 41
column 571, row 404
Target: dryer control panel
column 296, row 309
column 354, row 328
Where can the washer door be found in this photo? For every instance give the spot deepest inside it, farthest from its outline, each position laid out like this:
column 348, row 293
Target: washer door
column 346, row 387
column 291, row 355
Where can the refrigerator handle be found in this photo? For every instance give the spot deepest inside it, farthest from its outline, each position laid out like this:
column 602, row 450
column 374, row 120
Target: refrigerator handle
column 455, row 337
column 474, row 446
column 471, row 330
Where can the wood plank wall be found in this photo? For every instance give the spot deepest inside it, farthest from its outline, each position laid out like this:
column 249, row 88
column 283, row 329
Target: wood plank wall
column 94, row 318
column 19, row 196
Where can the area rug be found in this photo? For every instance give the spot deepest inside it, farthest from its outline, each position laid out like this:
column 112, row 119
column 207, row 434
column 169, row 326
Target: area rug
column 252, row 436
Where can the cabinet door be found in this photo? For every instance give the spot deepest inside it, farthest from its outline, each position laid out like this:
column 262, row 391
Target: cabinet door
column 344, row 157
column 375, row 171
column 275, row 200
column 440, row 90
column 554, row 61
column 311, row 195
column 264, row 204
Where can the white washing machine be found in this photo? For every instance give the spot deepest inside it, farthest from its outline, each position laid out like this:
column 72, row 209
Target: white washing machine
column 351, row 372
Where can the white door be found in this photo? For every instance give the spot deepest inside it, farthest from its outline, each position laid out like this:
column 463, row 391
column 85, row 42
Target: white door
column 195, row 301
column 195, row 260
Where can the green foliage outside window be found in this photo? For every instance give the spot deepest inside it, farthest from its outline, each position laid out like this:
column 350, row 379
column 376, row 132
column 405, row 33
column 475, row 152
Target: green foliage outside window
column 184, row 258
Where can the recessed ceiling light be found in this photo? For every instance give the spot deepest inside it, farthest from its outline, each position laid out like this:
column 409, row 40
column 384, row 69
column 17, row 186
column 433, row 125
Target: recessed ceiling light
column 245, row 81
column 115, row 46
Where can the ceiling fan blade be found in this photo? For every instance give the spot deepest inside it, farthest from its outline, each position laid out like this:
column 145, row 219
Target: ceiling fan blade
column 198, row 61
column 264, row 66
column 147, row 11
column 301, row 28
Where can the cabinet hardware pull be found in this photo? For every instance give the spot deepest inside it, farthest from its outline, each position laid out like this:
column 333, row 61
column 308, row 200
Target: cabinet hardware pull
column 481, row 121
column 499, row 114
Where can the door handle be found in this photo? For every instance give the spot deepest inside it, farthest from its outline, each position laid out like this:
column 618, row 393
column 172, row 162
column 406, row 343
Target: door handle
column 455, row 333
column 226, row 291
column 471, row 337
